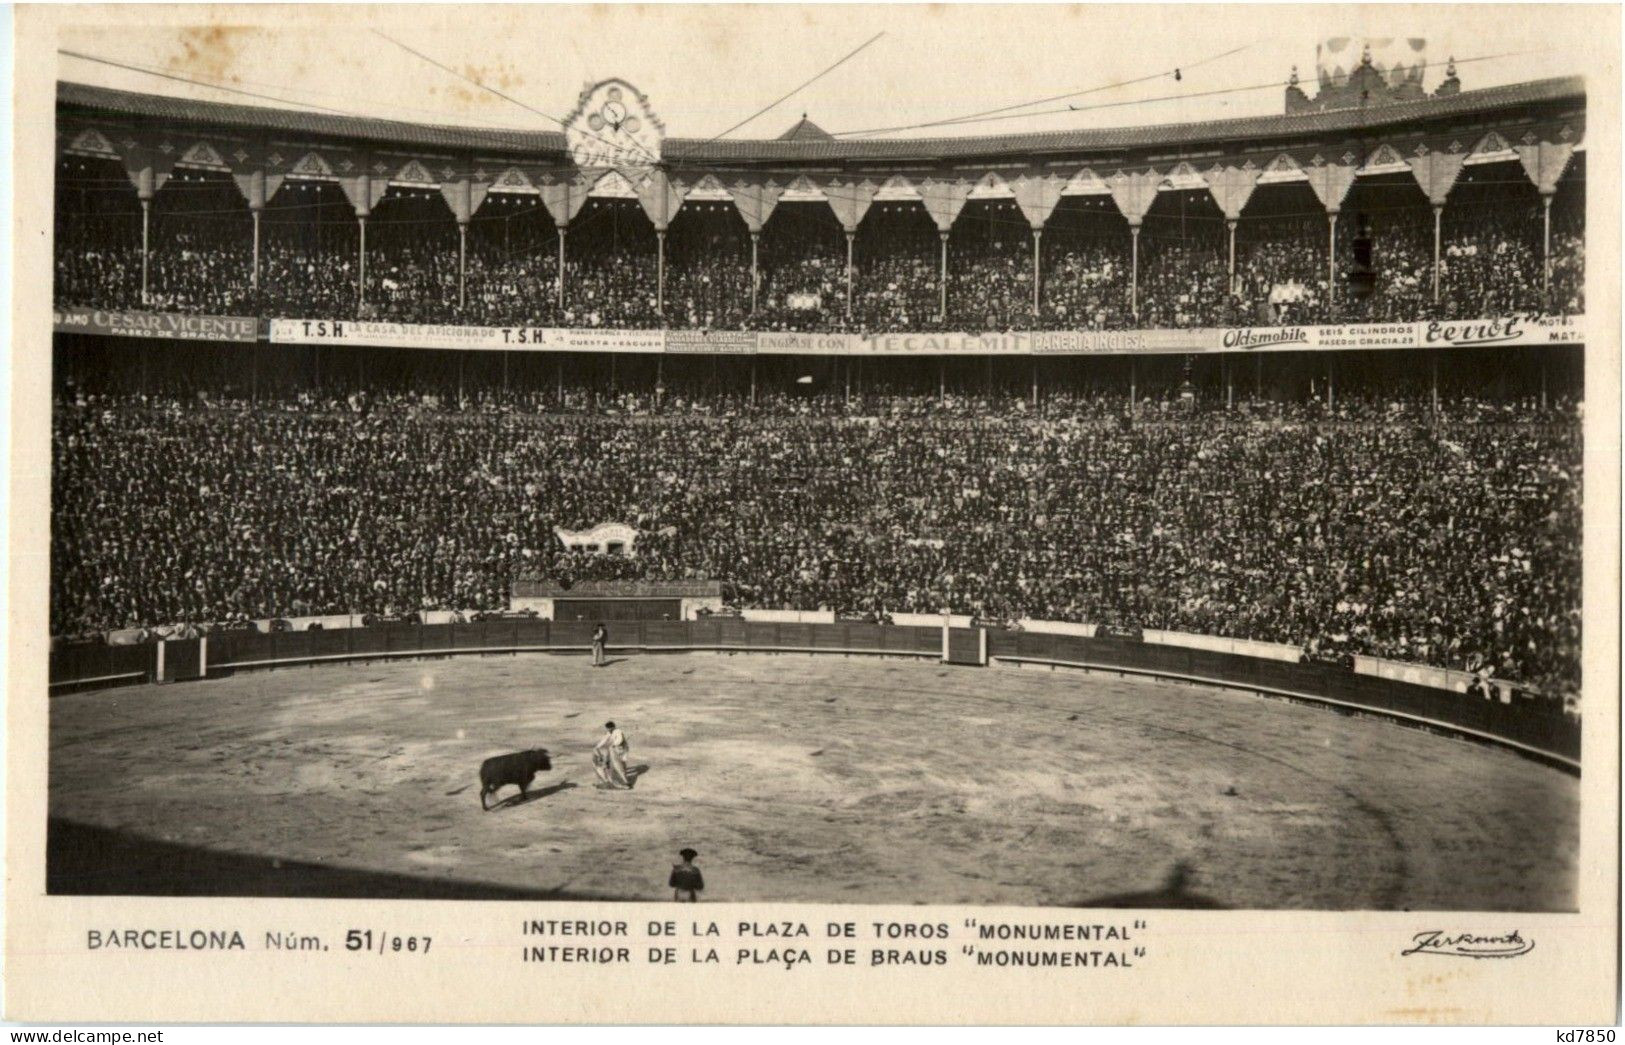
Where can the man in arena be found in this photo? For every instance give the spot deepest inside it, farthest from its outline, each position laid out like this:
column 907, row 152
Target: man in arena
column 686, row 881
column 600, row 635
column 613, row 748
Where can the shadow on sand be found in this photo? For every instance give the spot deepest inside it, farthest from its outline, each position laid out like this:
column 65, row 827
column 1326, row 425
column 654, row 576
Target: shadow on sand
column 1175, row 894
column 526, row 797
column 96, row 861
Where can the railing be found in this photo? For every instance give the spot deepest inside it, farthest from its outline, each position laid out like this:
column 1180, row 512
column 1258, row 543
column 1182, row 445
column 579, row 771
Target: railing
column 1532, row 727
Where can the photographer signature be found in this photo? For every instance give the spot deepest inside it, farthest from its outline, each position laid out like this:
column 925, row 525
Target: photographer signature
column 1469, row 945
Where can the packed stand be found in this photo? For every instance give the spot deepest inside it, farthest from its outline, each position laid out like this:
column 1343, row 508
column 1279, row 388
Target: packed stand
column 1365, row 531
column 419, row 271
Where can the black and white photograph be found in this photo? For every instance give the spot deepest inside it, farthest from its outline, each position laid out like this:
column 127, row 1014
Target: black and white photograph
column 876, row 455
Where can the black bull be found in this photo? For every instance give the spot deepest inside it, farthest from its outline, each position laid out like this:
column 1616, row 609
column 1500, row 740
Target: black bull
column 518, row 768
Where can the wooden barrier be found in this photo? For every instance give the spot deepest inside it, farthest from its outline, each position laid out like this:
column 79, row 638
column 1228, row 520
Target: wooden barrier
column 1526, row 726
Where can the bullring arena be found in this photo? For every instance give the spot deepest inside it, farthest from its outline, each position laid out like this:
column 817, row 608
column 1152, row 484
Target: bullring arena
column 1175, row 514
column 821, row 778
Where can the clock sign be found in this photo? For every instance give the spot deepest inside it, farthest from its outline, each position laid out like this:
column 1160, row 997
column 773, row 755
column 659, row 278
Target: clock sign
column 612, row 126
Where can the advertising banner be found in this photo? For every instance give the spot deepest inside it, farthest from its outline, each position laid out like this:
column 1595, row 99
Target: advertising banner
column 1121, row 342
column 589, row 340
column 421, row 335
column 794, row 344
column 409, row 335
column 1517, row 330
column 1511, row 330
column 729, row 342
column 1014, row 343
column 155, row 324
column 1508, row 331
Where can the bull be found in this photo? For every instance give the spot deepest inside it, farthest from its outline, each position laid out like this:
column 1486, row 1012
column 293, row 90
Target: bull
column 518, row 768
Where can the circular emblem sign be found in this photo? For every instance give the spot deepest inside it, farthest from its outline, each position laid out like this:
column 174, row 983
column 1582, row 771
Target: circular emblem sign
column 612, row 126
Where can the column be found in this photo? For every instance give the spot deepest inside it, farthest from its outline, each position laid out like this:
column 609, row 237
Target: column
column 942, row 306
column 1037, row 277
column 1035, row 384
column 1134, row 272
column 752, row 380
column 1230, row 226
column 462, row 274
column 361, row 282
column 1435, row 386
column 1133, row 399
column 755, row 277
column 1438, row 223
column 1331, row 385
column 254, row 273
column 146, row 220
column 660, row 274
column 1331, row 265
column 851, row 234
column 562, row 230
column 1546, row 250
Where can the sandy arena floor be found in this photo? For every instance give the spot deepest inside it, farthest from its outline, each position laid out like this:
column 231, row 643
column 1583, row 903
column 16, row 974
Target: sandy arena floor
column 818, row 779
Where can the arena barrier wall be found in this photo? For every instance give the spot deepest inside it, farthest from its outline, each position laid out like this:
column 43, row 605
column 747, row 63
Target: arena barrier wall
column 1058, row 627
column 1529, row 726
column 1532, row 727
column 1219, row 644
column 792, row 616
column 930, row 620
column 1427, row 675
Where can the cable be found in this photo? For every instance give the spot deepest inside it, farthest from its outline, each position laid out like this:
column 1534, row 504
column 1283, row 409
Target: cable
column 486, row 136
column 507, row 97
column 215, row 85
column 797, row 89
column 1073, row 94
column 196, row 83
column 960, row 121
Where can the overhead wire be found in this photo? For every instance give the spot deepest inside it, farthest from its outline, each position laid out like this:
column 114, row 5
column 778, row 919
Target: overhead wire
column 233, row 86
column 510, row 98
column 195, row 83
column 786, row 96
column 986, row 118
column 490, row 137
column 1060, row 97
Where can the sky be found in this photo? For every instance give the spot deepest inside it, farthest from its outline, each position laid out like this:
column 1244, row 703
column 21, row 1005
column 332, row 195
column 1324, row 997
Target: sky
column 705, row 69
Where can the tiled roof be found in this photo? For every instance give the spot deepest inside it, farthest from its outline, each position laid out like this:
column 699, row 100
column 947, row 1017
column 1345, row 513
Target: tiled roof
column 1114, row 139
column 805, row 131
column 801, row 145
column 295, row 121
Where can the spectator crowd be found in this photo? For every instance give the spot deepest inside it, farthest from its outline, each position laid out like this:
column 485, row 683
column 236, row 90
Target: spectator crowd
column 200, row 260
column 1357, row 529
